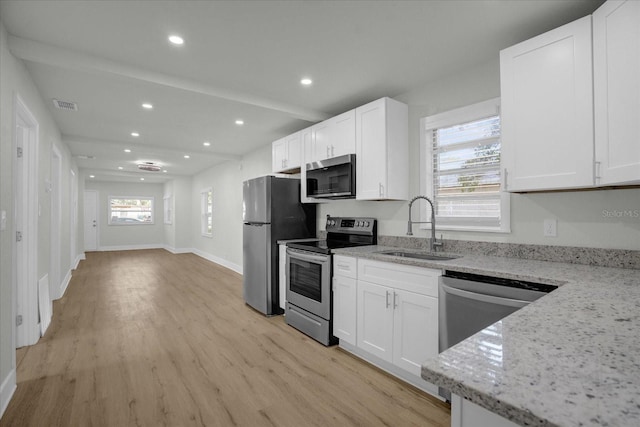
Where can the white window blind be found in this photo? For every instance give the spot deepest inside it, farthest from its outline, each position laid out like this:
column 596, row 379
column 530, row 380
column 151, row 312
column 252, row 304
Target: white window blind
column 464, row 179
column 206, row 212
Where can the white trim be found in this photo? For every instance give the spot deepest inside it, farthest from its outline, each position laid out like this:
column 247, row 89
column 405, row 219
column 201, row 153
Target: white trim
column 55, row 223
column 79, row 258
column 7, row 389
column 29, row 333
column 64, row 284
column 153, row 210
column 220, row 261
column 178, row 250
column 130, row 247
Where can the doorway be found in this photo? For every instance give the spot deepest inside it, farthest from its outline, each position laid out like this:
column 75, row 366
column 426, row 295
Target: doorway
column 56, row 224
column 90, row 220
column 25, row 252
column 73, row 219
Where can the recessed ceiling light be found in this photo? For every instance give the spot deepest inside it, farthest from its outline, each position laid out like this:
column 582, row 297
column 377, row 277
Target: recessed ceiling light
column 165, row 171
column 147, row 106
column 136, row 134
column 177, row 40
column 120, row 167
column 186, row 156
column 92, row 176
column 206, row 143
column 306, row 81
column 239, row 122
column 126, row 150
column 141, row 179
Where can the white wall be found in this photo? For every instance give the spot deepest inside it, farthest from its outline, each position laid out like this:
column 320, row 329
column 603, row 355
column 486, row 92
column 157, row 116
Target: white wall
column 117, row 237
column 15, row 80
column 225, row 246
column 581, row 215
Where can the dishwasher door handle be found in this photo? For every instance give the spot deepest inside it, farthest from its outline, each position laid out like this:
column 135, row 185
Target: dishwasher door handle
column 484, row 298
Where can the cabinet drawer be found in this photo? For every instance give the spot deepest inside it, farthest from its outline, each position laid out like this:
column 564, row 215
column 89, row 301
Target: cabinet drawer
column 414, row 279
column 345, row 266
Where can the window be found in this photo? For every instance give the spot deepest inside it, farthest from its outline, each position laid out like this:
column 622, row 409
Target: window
column 461, row 168
column 206, row 210
column 127, row 210
column 168, row 210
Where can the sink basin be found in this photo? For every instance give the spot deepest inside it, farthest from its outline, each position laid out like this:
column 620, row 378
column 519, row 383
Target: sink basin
column 419, row 255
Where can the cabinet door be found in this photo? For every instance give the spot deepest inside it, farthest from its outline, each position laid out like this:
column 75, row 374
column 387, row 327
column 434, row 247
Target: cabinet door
column 371, row 151
column 547, row 110
column 616, row 67
column 344, row 308
column 294, row 151
column 320, row 145
column 278, row 155
column 375, row 320
column 415, row 330
column 343, row 134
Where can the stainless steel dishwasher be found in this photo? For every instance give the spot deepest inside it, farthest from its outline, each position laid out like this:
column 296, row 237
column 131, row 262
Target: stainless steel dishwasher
column 468, row 303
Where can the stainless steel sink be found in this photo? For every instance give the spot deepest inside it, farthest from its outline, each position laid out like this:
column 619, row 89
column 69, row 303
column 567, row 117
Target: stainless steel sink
column 419, row 255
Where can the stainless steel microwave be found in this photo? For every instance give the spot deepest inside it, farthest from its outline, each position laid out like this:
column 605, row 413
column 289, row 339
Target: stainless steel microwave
column 333, row 178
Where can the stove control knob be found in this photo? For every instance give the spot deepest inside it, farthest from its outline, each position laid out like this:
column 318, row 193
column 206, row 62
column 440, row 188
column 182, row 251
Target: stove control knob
column 366, row 223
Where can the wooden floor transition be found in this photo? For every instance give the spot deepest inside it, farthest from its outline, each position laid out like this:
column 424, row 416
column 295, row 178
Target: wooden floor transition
column 149, row 338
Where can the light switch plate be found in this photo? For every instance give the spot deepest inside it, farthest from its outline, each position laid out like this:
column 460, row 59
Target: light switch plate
column 550, row 227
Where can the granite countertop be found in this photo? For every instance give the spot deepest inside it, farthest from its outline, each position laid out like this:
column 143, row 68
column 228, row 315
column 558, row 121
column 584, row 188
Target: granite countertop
column 571, row 358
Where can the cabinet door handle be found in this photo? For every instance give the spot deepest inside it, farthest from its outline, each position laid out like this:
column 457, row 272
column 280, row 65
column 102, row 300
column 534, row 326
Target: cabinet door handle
column 504, row 178
column 395, row 302
column 332, row 154
column 387, row 301
column 597, row 174
column 381, row 189
column 328, row 151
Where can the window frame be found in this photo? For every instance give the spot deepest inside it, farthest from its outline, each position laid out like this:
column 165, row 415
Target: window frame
column 167, row 202
column 110, row 211
column 446, row 119
column 204, row 212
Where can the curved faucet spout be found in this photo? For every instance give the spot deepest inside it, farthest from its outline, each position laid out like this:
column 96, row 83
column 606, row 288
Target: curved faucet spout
column 433, row 244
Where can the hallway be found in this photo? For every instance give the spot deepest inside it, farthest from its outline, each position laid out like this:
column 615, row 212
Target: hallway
column 150, row 338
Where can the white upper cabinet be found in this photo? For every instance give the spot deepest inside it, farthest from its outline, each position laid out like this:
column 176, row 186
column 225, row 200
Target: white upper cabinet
column 382, row 150
column 334, row 137
column 286, row 153
column 616, row 56
column 547, row 110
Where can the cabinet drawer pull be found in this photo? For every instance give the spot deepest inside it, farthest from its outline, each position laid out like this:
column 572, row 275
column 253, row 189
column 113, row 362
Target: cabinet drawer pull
column 387, row 301
column 395, row 302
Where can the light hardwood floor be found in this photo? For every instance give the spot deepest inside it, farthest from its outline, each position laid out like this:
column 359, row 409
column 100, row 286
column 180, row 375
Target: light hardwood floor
column 148, row 338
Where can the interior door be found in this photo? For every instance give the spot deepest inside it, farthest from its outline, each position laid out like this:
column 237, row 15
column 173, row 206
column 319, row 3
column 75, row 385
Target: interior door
column 90, row 220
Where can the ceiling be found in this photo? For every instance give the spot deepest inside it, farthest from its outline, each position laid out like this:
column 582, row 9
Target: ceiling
column 243, row 60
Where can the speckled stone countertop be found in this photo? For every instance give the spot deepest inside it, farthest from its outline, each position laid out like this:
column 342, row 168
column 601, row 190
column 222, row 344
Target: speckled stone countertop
column 571, row 358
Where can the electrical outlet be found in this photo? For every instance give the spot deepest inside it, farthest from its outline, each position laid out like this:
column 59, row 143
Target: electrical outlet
column 550, row 227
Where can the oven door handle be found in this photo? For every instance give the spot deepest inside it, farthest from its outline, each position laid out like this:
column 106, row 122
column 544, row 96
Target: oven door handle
column 305, row 256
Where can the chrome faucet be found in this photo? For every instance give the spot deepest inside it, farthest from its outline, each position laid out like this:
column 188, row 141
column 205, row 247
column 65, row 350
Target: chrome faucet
column 433, row 244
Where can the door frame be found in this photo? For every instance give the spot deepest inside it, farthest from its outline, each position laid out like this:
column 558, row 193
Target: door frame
column 97, row 221
column 26, row 207
column 55, row 268
column 73, row 219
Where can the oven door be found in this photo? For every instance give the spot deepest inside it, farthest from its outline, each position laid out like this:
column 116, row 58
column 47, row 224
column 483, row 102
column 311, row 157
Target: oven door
column 309, row 282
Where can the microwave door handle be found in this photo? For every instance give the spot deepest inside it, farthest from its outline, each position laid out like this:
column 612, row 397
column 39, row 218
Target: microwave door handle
column 305, row 256
column 509, row 302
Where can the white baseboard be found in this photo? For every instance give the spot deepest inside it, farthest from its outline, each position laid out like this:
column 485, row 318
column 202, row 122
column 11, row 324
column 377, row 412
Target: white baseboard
column 79, row 258
column 130, row 247
column 64, row 285
column 223, row 262
column 7, row 389
column 179, row 250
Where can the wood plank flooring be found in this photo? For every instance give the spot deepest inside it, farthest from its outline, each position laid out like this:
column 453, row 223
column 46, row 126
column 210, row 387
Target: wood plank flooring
column 149, row 338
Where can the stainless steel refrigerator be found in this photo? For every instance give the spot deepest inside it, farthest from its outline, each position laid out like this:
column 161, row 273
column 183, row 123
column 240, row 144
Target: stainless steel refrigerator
column 271, row 211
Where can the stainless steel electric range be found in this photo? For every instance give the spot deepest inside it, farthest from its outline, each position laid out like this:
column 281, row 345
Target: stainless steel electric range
column 309, row 273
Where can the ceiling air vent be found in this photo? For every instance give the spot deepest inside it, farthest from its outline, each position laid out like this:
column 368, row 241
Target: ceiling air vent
column 149, row 166
column 65, row 105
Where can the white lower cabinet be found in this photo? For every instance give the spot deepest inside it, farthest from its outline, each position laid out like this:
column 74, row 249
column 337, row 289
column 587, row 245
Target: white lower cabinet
column 467, row 414
column 387, row 314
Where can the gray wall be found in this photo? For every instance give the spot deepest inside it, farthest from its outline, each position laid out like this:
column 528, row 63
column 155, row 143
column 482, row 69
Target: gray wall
column 581, row 215
column 15, row 80
column 115, row 237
